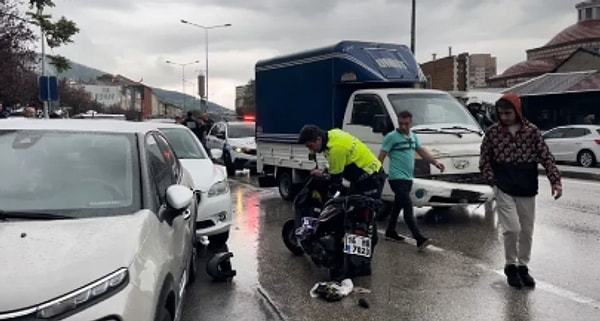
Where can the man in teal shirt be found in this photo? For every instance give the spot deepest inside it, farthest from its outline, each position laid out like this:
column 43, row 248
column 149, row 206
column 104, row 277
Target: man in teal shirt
column 400, row 145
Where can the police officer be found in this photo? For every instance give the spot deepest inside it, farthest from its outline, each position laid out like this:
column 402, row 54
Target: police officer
column 347, row 157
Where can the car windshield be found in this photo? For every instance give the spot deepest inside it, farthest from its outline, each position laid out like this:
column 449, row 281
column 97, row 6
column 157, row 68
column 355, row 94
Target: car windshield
column 432, row 109
column 183, row 143
column 241, row 130
column 79, row 174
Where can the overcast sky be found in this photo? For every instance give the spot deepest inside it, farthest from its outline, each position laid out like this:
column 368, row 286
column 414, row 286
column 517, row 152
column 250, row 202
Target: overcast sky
column 135, row 37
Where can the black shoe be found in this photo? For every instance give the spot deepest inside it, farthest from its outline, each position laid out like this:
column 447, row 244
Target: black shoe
column 527, row 280
column 393, row 236
column 512, row 276
column 423, row 243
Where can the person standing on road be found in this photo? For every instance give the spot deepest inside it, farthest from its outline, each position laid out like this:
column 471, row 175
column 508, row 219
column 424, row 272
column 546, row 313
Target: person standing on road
column 193, row 125
column 400, row 145
column 510, row 153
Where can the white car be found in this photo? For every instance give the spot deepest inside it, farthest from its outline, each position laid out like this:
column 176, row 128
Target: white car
column 96, row 222
column 214, row 215
column 575, row 143
column 236, row 140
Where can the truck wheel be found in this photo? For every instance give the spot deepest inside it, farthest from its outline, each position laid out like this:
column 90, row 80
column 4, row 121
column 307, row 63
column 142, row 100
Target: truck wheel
column 287, row 190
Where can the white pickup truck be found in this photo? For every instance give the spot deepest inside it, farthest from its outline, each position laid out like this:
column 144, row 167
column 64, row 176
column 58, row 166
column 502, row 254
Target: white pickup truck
column 363, row 98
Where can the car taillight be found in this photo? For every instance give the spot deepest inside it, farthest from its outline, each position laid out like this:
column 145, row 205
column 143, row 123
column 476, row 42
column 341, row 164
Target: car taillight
column 597, row 141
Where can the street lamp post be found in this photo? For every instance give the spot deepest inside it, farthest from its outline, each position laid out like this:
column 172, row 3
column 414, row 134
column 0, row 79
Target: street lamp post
column 183, row 75
column 206, row 29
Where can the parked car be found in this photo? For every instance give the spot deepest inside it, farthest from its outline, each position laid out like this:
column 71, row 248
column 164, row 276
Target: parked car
column 96, row 222
column 236, row 140
column 210, row 183
column 575, row 143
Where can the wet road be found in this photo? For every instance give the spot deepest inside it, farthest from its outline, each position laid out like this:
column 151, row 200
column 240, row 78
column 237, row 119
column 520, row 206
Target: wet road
column 460, row 278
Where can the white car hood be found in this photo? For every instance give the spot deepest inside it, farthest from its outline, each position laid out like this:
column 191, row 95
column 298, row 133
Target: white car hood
column 249, row 142
column 204, row 172
column 43, row 260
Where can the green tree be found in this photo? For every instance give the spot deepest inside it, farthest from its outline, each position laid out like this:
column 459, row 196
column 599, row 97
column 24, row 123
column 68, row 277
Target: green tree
column 16, row 59
column 57, row 33
column 249, row 104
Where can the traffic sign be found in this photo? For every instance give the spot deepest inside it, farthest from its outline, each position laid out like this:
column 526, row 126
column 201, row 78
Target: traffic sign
column 48, row 88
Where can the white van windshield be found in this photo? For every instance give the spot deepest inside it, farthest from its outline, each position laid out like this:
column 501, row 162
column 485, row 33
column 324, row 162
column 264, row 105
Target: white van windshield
column 432, row 109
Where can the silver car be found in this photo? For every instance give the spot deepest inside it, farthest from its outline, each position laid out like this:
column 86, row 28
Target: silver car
column 96, row 222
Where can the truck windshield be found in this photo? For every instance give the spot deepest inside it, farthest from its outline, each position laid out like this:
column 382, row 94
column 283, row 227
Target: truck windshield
column 432, row 109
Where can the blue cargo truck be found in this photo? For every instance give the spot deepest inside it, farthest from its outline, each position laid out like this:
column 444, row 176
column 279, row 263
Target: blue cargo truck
column 360, row 87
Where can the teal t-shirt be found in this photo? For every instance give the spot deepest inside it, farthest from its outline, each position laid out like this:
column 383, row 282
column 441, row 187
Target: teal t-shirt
column 401, row 151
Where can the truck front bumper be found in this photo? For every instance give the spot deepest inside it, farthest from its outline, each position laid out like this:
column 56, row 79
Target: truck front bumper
column 426, row 192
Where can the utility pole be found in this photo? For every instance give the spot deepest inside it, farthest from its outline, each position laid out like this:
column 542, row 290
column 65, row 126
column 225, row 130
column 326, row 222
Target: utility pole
column 45, row 103
column 413, row 27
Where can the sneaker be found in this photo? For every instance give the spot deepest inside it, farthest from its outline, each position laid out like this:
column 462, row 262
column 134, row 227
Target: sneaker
column 512, row 276
column 394, row 237
column 423, row 243
column 527, row 279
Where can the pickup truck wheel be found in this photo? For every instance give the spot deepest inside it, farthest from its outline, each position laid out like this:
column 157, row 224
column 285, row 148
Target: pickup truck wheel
column 287, row 189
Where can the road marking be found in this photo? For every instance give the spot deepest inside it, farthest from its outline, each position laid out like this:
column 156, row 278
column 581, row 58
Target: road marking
column 556, row 290
column 581, row 182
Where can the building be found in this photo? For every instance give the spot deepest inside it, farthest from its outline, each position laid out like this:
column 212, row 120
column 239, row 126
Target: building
column 481, row 68
column 106, row 95
column 459, row 72
column 583, row 34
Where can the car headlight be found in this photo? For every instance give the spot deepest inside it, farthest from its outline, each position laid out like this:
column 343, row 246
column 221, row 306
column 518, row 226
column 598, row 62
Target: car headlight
column 219, row 188
column 238, row 149
column 87, row 295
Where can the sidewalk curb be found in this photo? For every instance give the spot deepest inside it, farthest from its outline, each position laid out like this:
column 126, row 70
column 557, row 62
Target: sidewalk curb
column 574, row 174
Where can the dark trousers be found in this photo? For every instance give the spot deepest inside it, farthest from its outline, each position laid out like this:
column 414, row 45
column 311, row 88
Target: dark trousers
column 402, row 202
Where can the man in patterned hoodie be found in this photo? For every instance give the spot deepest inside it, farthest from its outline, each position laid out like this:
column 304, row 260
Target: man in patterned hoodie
column 510, row 153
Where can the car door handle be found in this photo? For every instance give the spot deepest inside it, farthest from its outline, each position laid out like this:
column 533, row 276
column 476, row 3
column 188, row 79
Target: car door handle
column 187, row 214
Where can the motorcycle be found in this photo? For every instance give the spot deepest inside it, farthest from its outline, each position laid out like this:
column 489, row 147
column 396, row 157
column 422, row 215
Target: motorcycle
column 336, row 230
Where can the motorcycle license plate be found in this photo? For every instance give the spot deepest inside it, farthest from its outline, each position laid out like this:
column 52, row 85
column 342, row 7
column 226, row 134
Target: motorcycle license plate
column 357, row 245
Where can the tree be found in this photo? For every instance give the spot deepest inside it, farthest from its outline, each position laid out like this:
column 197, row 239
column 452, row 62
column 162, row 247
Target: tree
column 16, row 59
column 249, row 103
column 76, row 98
column 57, row 33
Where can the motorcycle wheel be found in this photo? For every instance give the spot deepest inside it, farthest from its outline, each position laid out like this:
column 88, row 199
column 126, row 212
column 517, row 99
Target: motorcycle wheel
column 289, row 237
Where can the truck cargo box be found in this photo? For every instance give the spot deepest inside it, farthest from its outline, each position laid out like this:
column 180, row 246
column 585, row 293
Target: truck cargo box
column 314, row 86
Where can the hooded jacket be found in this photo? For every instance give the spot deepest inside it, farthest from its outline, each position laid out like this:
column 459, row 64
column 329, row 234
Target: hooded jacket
column 510, row 162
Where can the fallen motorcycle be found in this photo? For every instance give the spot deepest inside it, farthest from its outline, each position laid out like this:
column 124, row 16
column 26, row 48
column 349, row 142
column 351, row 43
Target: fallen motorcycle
column 337, row 231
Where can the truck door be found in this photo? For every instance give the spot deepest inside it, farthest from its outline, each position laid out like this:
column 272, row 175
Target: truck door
column 360, row 119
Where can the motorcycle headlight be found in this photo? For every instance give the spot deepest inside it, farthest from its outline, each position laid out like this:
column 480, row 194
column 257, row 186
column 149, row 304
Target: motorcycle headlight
column 87, row 295
column 219, row 188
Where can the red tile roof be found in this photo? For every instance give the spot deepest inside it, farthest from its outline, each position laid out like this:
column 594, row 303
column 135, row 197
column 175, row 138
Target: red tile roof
column 528, row 67
column 589, row 29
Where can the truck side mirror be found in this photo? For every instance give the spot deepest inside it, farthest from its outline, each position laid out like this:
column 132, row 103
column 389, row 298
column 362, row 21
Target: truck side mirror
column 381, row 124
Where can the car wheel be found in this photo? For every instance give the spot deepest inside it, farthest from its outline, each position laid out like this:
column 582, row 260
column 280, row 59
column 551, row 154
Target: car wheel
column 218, row 240
column 287, row 189
column 586, row 158
column 228, row 164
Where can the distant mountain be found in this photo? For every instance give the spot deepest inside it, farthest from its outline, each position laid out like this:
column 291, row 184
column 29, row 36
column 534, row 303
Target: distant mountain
column 79, row 72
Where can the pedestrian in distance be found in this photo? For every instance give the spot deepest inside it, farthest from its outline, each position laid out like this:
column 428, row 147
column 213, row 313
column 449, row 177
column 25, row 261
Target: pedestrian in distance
column 510, row 153
column 400, row 146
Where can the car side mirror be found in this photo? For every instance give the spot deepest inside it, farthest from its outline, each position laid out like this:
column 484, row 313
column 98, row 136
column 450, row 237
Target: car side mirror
column 179, row 197
column 381, row 124
column 220, row 135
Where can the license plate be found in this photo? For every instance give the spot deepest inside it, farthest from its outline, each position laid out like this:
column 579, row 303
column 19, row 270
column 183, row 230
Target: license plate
column 357, row 245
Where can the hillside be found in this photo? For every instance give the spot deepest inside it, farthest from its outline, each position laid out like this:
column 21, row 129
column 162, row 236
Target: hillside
column 85, row 73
